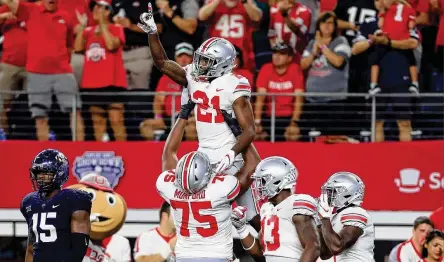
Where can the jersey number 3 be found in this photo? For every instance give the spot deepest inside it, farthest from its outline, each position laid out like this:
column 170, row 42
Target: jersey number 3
column 195, row 207
column 44, row 237
column 270, row 234
column 208, row 108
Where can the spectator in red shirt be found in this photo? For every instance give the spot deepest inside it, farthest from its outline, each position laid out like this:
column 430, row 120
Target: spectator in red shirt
column 48, row 62
column 280, row 76
column 397, row 21
column 163, row 104
column 77, row 10
column 103, row 71
column 13, row 77
column 240, row 69
column 437, row 217
column 233, row 20
column 290, row 22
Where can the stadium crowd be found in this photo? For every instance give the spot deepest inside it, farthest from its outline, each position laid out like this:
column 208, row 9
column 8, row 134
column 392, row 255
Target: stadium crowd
column 58, row 50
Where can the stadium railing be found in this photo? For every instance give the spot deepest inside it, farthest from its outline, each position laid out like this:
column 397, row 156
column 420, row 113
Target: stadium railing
column 355, row 117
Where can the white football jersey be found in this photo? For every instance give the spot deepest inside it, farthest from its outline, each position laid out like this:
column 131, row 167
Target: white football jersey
column 214, row 135
column 151, row 243
column 203, row 220
column 362, row 250
column 406, row 252
column 279, row 237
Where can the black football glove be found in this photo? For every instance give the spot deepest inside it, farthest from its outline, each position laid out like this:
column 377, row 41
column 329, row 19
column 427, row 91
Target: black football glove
column 232, row 123
column 186, row 109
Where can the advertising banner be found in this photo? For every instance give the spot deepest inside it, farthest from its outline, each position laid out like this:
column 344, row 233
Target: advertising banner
column 397, row 176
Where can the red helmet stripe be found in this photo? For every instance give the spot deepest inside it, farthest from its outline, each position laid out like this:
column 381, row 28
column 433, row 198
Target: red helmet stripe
column 185, row 171
column 208, row 43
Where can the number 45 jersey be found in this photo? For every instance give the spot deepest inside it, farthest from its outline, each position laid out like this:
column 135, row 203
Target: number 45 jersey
column 49, row 222
column 214, row 135
column 203, row 220
column 279, row 237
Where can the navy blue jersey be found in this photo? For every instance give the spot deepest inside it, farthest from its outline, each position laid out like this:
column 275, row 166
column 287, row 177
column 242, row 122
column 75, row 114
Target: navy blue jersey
column 360, row 63
column 49, row 221
column 354, row 11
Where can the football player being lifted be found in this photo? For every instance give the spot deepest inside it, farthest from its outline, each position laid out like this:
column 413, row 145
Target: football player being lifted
column 346, row 229
column 201, row 199
column 288, row 230
column 213, row 87
column 58, row 219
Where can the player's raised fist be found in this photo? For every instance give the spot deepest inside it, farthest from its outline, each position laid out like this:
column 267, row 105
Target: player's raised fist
column 147, row 23
column 239, row 221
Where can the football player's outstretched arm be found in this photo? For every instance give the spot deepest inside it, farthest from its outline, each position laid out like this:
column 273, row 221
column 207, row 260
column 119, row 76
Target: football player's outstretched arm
column 169, row 155
column 161, row 61
column 244, row 115
column 250, row 156
column 29, row 256
column 80, row 228
column 337, row 243
column 307, row 234
column 252, row 159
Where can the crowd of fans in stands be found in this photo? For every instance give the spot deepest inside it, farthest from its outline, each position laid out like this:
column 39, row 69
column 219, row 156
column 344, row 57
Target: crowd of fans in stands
column 63, row 50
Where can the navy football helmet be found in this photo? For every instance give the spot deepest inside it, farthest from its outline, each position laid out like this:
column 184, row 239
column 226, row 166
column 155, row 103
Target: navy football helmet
column 49, row 162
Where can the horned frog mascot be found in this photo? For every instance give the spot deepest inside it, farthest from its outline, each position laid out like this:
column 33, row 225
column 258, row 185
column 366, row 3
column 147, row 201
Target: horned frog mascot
column 108, row 214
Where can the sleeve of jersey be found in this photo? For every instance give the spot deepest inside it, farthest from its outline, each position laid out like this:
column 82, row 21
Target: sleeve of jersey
column 271, row 31
column 414, row 33
column 304, row 21
column 304, row 205
column 81, row 201
column 355, row 219
column 342, row 48
column 162, row 185
column 243, row 88
column 233, row 188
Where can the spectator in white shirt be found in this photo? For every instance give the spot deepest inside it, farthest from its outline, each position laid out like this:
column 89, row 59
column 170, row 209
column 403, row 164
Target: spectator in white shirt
column 158, row 243
column 411, row 249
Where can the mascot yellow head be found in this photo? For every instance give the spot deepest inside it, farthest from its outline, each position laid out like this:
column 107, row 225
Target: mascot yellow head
column 108, row 211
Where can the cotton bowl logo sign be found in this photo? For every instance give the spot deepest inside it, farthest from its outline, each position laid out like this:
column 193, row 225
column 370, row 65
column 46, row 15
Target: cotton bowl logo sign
column 410, row 181
column 105, row 163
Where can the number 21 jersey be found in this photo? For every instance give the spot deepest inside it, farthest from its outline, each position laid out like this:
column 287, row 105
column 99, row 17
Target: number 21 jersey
column 214, row 135
column 49, row 222
column 203, row 220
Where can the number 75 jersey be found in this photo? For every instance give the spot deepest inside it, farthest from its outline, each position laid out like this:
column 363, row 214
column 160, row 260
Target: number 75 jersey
column 203, row 220
column 214, row 135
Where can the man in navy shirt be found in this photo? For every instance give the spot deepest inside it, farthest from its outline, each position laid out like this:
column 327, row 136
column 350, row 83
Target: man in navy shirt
column 394, row 76
column 58, row 219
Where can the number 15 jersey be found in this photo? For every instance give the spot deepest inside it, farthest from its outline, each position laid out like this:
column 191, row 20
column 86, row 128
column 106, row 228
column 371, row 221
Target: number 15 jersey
column 214, row 135
column 203, row 220
column 49, row 222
